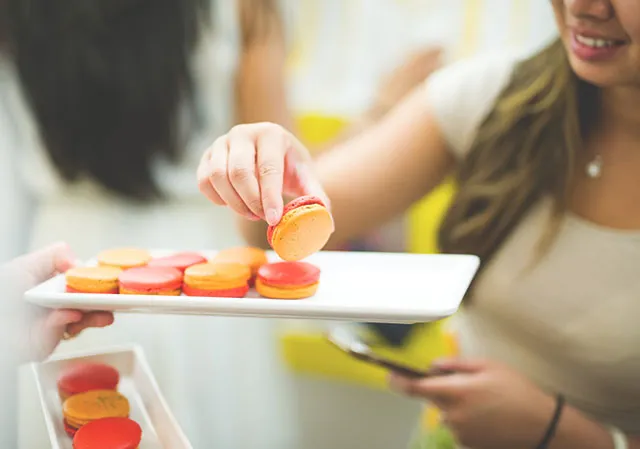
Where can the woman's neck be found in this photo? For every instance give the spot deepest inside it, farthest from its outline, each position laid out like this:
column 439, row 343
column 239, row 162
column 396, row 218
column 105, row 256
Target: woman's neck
column 621, row 111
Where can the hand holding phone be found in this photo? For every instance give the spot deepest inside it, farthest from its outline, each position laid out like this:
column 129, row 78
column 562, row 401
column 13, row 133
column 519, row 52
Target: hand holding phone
column 348, row 341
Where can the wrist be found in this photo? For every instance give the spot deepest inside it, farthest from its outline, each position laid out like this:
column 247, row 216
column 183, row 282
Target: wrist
column 575, row 430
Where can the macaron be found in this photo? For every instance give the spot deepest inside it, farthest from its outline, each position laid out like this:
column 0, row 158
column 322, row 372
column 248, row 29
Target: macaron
column 108, row 433
column 254, row 258
column 224, row 280
column 83, row 408
column 83, row 377
column 304, row 229
column 93, row 279
column 179, row 261
column 124, row 258
column 288, row 280
column 161, row 281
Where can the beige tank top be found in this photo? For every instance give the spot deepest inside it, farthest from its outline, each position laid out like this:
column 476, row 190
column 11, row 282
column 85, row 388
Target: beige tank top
column 570, row 323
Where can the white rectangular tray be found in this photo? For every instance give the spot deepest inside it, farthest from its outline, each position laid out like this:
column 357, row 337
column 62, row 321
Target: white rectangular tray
column 354, row 286
column 160, row 430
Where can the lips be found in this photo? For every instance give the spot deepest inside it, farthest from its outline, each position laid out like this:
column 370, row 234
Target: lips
column 590, row 47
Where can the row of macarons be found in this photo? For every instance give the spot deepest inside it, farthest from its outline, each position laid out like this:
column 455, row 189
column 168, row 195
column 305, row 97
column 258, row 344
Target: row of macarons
column 230, row 273
column 96, row 415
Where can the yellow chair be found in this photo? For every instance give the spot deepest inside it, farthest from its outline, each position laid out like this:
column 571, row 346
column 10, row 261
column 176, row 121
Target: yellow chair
column 308, row 351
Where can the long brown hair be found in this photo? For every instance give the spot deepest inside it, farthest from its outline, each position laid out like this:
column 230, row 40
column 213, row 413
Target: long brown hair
column 525, row 149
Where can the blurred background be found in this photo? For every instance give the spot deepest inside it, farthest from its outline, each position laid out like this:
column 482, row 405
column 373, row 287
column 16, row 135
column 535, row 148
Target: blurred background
column 262, row 383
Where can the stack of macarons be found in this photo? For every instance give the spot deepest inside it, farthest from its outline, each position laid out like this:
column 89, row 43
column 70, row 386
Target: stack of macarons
column 89, row 394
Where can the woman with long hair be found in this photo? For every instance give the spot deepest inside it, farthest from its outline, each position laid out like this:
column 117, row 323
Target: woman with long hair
column 545, row 153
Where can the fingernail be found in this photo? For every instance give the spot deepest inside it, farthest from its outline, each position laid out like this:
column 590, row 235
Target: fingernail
column 272, row 217
column 253, row 217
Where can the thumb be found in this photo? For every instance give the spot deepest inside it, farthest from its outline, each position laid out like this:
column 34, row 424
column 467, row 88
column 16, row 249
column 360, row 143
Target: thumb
column 46, row 262
column 460, row 365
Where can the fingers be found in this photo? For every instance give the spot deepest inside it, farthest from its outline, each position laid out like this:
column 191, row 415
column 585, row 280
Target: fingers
column 220, row 173
column 442, row 390
column 242, row 171
column 272, row 148
column 47, row 262
column 204, row 172
column 461, row 365
column 246, row 171
column 90, row 319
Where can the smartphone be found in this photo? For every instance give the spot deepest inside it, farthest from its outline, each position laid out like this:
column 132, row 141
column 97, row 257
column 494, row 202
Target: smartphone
column 347, row 340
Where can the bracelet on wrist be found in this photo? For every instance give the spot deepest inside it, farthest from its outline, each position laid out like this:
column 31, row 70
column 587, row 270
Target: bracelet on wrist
column 553, row 425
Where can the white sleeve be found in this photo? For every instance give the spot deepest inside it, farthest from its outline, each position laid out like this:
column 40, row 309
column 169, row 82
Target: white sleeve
column 462, row 94
column 14, row 198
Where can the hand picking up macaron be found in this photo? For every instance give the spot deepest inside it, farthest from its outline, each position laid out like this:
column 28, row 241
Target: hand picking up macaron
column 305, row 228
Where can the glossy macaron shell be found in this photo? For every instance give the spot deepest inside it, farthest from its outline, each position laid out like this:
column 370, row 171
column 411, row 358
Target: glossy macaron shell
column 179, row 261
column 124, row 257
column 294, row 204
column 85, row 377
column 289, row 274
column 151, row 279
column 93, row 279
column 109, row 433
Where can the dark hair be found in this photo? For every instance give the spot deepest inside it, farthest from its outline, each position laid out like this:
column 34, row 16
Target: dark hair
column 525, row 149
column 105, row 79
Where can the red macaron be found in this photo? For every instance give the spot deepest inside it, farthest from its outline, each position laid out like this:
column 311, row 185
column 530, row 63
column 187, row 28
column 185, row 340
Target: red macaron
column 108, row 433
column 179, row 261
column 151, row 281
column 83, row 377
column 288, row 280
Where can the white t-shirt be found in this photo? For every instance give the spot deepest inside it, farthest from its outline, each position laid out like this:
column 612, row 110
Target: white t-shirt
column 570, row 324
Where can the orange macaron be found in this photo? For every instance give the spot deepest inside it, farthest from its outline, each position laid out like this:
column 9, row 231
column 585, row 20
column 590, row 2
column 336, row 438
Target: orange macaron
column 83, row 408
column 288, row 280
column 92, row 279
column 304, row 229
column 225, row 280
column 254, row 258
column 124, row 258
column 162, row 281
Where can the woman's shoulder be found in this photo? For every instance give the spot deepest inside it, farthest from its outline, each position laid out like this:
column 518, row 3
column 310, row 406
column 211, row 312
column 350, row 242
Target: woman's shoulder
column 462, row 93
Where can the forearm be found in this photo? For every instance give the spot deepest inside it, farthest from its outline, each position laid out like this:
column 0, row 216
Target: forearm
column 576, row 431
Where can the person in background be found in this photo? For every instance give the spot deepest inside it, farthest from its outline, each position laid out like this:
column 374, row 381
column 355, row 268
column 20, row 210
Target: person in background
column 30, row 333
column 545, row 154
column 104, row 107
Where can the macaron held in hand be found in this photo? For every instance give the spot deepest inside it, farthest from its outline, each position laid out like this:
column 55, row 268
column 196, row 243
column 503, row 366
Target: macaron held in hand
column 304, row 229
